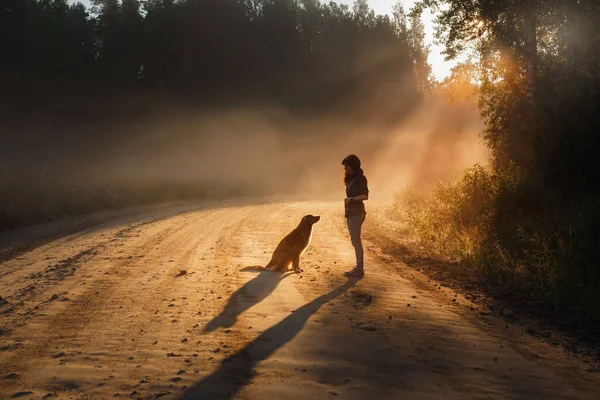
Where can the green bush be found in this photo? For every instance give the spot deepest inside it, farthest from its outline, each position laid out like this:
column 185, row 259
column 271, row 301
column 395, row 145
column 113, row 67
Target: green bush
column 515, row 232
column 452, row 215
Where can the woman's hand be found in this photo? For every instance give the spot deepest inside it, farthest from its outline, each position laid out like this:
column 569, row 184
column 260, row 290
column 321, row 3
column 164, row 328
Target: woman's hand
column 362, row 197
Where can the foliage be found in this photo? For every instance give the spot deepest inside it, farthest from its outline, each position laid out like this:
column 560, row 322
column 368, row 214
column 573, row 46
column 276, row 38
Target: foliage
column 300, row 52
column 452, row 215
column 532, row 218
column 485, row 220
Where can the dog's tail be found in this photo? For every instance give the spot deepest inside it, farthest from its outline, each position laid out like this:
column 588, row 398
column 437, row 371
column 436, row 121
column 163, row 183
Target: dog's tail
column 258, row 267
column 254, row 268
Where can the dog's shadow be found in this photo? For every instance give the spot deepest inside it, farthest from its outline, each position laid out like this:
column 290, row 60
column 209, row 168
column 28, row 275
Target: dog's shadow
column 238, row 369
column 253, row 292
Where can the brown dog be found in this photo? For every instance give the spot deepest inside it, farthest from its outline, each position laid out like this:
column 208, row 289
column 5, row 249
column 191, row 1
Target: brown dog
column 291, row 247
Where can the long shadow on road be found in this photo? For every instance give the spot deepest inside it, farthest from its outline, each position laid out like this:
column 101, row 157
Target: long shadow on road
column 253, row 292
column 236, row 370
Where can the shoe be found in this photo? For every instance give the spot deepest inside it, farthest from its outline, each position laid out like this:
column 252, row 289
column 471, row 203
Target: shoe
column 355, row 273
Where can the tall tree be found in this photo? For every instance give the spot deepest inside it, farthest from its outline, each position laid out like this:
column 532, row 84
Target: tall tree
column 419, row 50
column 400, row 20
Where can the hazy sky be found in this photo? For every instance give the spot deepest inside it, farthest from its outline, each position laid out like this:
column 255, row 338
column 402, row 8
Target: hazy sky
column 441, row 68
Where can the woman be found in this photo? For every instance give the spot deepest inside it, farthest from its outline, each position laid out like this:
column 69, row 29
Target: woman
column 356, row 193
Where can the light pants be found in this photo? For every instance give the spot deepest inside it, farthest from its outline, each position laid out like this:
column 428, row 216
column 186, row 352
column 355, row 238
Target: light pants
column 354, row 228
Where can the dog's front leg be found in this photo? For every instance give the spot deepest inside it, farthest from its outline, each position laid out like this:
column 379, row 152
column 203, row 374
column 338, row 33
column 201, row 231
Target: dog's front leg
column 296, row 264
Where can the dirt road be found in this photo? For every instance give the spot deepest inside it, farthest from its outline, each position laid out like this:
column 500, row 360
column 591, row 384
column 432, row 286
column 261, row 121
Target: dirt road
column 108, row 313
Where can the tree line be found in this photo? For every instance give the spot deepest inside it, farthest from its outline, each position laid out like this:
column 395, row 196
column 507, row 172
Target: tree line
column 300, row 52
column 79, row 83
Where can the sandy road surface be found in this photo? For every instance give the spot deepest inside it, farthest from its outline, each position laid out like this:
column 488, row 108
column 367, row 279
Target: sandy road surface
column 105, row 313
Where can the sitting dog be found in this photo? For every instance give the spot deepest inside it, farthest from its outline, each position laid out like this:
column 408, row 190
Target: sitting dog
column 291, row 247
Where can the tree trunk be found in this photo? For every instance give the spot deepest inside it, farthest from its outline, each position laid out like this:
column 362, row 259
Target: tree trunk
column 531, row 48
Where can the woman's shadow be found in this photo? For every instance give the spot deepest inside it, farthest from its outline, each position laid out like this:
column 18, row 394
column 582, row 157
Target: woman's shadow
column 237, row 369
column 253, row 292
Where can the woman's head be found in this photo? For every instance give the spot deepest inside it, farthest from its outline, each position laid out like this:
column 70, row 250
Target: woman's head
column 351, row 165
column 352, row 162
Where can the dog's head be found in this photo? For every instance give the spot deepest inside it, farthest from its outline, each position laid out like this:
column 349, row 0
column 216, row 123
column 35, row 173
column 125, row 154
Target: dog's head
column 311, row 219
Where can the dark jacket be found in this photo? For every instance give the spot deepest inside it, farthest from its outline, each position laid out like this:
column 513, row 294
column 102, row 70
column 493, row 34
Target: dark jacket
column 357, row 185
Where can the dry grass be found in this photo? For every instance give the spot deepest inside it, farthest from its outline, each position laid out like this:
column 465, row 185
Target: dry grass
column 502, row 227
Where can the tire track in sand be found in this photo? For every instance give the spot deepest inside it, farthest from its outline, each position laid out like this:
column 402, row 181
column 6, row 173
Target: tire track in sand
column 94, row 310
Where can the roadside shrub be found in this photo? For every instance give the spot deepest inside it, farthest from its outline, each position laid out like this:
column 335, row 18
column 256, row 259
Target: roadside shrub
column 451, row 217
column 515, row 232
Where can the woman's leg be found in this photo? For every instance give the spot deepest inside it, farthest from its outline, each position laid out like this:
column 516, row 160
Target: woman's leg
column 354, row 228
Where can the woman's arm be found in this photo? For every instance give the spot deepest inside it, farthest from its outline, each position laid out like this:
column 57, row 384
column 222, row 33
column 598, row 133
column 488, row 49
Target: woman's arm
column 362, row 197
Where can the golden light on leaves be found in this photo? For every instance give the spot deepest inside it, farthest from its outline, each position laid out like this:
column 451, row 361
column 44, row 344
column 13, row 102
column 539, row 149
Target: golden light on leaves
column 462, row 84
